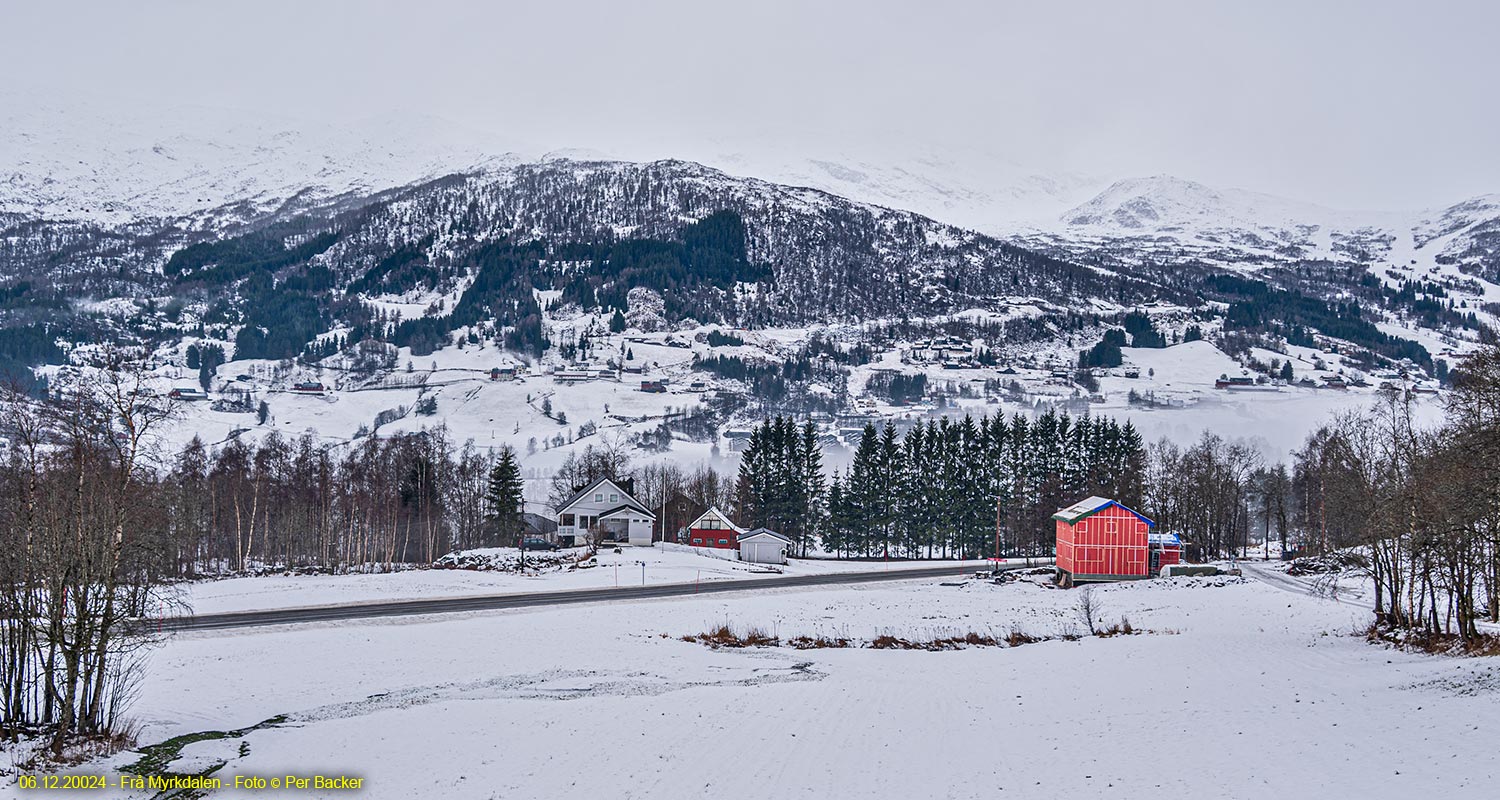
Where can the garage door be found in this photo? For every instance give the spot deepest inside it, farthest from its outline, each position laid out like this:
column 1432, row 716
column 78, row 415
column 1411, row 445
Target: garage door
column 765, row 552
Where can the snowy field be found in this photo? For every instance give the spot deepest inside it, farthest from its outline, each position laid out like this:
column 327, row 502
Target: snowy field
column 632, row 566
column 1241, row 690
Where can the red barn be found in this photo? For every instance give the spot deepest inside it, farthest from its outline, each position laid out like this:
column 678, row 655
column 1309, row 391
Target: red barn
column 1100, row 540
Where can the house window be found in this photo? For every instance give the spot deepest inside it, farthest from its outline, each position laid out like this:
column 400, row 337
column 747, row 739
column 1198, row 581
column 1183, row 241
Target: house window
column 599, row 497
column 566, row 521
column 697, row 541
column 614, row 498
column 723, row 541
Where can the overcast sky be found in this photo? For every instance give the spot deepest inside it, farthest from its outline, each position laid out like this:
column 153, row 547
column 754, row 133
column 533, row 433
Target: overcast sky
column 1353, row 104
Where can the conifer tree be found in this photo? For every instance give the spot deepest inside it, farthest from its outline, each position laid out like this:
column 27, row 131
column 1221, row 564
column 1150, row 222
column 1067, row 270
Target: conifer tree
column 503, row 496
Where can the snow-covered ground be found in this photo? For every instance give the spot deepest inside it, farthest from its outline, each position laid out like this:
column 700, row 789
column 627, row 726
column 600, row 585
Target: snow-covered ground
column 1241, row 690
column 632, row 566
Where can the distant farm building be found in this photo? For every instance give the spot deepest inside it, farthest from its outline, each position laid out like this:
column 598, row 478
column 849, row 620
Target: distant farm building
column 187, row 393
column 503, row 374
column 309, row 387
column 1236, row 382
column 738, row 439
column 1099, row 539
column 653, row 387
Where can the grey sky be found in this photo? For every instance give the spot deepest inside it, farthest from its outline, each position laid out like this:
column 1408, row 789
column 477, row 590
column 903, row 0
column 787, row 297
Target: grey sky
column 1355, row 104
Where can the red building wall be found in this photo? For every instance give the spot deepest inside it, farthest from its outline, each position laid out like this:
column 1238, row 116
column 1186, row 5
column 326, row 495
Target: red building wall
column 1109, row 544
column 709, row 537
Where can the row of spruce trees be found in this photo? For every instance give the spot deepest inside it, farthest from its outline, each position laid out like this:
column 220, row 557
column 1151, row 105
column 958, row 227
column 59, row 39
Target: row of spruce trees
column 963, row 488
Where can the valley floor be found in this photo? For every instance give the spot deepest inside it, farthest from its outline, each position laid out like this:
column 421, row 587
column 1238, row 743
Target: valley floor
column 1240, row 689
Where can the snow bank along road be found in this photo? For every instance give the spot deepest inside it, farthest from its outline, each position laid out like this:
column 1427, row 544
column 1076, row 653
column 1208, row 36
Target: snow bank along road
column 449, row 605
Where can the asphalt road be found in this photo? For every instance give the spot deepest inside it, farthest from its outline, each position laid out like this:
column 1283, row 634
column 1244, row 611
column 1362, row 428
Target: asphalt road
column 451, row 605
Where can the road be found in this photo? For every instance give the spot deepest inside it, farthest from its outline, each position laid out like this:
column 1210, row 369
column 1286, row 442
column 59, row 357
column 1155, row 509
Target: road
column 452, row 605
column 1266, row 574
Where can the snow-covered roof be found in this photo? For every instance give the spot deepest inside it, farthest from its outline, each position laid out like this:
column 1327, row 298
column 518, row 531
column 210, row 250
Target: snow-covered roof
column 765, row 532
column 1168, row 539
column 1090, row 506
column 626, row 507
column 582, row 493
column 714, row 511
column 1082, row 508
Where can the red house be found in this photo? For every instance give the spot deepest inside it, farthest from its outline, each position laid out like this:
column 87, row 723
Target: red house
column 1100, row 540
column 712, row 528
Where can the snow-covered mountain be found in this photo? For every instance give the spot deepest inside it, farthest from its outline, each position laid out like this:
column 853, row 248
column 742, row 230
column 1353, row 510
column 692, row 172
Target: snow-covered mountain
column 118, row 222
column 111, row 164
column 1168, row 221
column 107, row 163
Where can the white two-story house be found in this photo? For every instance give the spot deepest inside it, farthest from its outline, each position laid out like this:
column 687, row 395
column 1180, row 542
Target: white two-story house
column 607, row 512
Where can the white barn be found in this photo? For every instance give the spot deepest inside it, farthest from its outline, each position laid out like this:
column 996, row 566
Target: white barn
column 608, row 511
column 764, row 546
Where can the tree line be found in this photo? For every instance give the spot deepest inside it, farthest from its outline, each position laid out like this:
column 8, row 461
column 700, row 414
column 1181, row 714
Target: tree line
column 1416, row 506
column 944, row 488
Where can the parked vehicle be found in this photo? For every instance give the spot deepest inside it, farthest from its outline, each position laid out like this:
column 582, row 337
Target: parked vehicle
column 537, row 544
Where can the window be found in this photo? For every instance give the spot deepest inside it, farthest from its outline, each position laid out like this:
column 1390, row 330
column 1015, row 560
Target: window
column 599, row 497
column 697, row 541
column 566, row 521
column 614, row 498
column 723, row 541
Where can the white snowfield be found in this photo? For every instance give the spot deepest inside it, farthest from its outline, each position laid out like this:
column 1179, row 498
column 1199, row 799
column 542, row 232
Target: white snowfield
column 1241, row 690
column 632, row 566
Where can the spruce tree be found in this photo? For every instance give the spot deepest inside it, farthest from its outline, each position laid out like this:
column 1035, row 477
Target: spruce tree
column 862, row 491
column 814, row 487
column 502, row 500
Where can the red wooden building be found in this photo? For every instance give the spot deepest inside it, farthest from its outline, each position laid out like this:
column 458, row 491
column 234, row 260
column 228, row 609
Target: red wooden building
column 713, row 529
column 1100, row 540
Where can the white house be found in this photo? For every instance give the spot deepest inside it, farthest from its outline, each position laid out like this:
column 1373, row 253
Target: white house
column 608, row 510
column 764, row 546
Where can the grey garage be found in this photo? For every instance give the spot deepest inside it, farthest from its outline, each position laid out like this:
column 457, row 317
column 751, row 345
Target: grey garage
column 763, row 546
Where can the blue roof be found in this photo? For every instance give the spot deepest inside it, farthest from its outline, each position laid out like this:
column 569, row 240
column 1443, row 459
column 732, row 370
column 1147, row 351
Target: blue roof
column 1164, row 538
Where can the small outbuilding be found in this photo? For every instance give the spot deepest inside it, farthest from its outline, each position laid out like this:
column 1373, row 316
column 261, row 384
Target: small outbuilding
column 1166, row 550
column 764, row 546
column 1099, row 539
